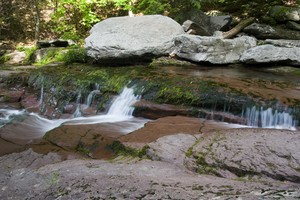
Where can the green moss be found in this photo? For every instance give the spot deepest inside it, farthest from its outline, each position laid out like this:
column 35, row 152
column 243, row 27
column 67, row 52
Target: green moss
column 75, row 55
column 83, row 150
column 119, row 149
column 4, row 59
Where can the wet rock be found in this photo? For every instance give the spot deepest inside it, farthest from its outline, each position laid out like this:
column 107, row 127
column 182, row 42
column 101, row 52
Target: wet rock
column 90, row 139
column 151, row 110
column 271, row 54
column 248, row 152
column 212, row 49
column 284, row 13
column 123, row 40
column 172, row 125
column 11, row 96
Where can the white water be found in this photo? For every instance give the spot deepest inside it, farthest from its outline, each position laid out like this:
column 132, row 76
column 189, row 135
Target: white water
column 122, row 104
column 33, row 126
column 269, row 119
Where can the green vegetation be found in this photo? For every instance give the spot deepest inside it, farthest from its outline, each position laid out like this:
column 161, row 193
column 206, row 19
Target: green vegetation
column 72, row 19
column 55, row 55
column 154, row 84
column 119, row 149
column 4, row 59
column 54, row 179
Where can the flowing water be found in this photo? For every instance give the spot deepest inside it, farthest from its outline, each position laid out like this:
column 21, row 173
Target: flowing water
column 24, row 127
column 269, row 118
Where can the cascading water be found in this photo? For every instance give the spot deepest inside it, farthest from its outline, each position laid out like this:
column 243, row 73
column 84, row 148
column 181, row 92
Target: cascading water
column 78, row 112
column 269, row 119
column 90, row 97
column 122, row 104
column 27, row 126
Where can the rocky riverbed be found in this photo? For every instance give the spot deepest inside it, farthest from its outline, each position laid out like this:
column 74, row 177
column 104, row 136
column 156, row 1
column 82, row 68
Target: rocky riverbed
column 173, row 156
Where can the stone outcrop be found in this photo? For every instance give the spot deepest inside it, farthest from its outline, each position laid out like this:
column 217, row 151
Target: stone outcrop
column 124, row 40
column 213, row 50
column 271, row 54
column 250, row 152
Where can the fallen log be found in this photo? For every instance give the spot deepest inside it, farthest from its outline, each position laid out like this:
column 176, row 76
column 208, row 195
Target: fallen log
column 238, row 28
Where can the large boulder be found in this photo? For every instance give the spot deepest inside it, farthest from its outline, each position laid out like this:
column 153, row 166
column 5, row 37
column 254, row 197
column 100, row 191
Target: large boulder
column 272, row 54
column 214, row 50
column 125, row 40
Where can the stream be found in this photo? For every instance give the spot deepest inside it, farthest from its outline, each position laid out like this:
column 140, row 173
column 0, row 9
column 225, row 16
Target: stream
column 23, row 127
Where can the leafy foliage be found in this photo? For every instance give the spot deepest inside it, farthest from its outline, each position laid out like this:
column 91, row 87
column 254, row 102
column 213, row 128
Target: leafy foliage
column 72, row 19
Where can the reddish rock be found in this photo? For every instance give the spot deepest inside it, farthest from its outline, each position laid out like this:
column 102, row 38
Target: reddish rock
column 152, row 110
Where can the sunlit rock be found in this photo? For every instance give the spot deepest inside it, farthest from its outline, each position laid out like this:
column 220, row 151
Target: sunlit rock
column 271, row 54
column 124, row 40
column 214, row 50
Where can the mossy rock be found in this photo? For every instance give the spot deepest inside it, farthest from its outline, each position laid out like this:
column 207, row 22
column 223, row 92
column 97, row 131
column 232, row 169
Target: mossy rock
column 282, row 13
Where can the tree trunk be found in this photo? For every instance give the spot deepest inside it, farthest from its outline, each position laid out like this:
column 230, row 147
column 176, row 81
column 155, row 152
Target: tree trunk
column 238, row 28
column 37, row 21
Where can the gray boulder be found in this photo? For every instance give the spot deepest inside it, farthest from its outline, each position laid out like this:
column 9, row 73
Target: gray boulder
column 262, row 31
column 250, row 152
column 214, row 50
column 283, row 13
column 125, row 40
column 201, row 24
column 271, row 54
column 195, row 29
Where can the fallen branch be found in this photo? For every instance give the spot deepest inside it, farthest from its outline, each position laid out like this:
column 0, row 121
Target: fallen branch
column 234, row 31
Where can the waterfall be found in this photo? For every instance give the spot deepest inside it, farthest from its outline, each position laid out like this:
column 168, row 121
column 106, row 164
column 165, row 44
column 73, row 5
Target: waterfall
column 269, row 119
column 78, row 112
column 90, row 97
column 42, row 95
column 121, row 106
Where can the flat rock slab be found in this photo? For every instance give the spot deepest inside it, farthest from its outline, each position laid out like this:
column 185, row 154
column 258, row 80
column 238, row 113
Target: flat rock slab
column 96, row 179
column 170, row 126
column 123, row 40
column 271, row 54
column 250, row 152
